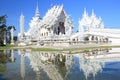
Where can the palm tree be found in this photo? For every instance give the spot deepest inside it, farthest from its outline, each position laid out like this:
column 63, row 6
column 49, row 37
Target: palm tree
column 5, row 32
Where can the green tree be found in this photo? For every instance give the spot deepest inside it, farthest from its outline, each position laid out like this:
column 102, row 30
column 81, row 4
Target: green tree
column 5, row 34
column 3, row 19
column 2, row 29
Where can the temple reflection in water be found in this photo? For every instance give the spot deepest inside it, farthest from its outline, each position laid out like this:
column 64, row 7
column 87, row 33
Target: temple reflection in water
column 56, row 65
column 96, row 64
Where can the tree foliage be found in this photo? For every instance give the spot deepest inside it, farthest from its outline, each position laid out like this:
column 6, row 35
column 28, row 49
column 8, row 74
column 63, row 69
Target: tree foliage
column 3, row 19
column 3, row 28
column 5, row 31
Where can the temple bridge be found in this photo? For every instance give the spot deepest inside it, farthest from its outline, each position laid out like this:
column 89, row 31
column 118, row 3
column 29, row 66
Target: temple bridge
column 109, row 33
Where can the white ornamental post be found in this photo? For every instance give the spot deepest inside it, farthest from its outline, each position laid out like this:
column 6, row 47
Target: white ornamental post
column 12, row 35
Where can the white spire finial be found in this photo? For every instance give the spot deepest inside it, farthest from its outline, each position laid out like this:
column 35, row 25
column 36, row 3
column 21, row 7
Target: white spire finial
column 85, row 13
column 62, row 6
column 93, row 14
column 37, row 11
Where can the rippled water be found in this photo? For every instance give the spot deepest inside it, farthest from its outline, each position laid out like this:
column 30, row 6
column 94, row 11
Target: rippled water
column 97, row 64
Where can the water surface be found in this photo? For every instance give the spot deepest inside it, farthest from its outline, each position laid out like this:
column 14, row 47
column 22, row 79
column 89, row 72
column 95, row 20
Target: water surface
column 97, row 64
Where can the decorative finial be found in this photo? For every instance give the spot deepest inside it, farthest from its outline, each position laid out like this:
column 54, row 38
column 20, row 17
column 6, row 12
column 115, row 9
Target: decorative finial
column 62, row 5
column 21, row 13
column 37, row 11
column 85, row 13
column 93, row 14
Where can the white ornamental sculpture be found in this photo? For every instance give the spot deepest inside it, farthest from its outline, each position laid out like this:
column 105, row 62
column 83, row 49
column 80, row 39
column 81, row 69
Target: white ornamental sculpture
column 21, row 34
column 90, row 22
column 12, row 35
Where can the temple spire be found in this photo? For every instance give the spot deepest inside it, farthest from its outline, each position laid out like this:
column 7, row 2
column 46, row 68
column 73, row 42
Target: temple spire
column 37, row 14
column 21, row 24
column 85, row 13
column 93, row 14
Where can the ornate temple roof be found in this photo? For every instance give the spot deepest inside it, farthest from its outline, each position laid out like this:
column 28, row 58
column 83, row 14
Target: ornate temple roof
column 53, row 15
column 50, row 21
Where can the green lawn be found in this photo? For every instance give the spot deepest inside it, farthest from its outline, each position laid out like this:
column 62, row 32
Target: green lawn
column 53, row 49
column 72, row 49
column 7, row 47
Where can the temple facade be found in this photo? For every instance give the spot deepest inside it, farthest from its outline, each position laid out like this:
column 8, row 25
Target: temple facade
column 57, row 26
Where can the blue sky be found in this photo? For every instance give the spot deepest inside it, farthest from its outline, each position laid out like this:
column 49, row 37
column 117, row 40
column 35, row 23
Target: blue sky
column 108, row 10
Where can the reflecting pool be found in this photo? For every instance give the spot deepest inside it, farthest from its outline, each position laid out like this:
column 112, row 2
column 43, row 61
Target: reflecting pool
column 96, row 64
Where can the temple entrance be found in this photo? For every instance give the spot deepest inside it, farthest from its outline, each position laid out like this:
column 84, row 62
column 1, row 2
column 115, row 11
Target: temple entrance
column 61, row 28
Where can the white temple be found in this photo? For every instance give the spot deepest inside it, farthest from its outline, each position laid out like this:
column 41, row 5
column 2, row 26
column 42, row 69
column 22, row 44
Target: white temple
column 56, row 26
column 55, row 23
